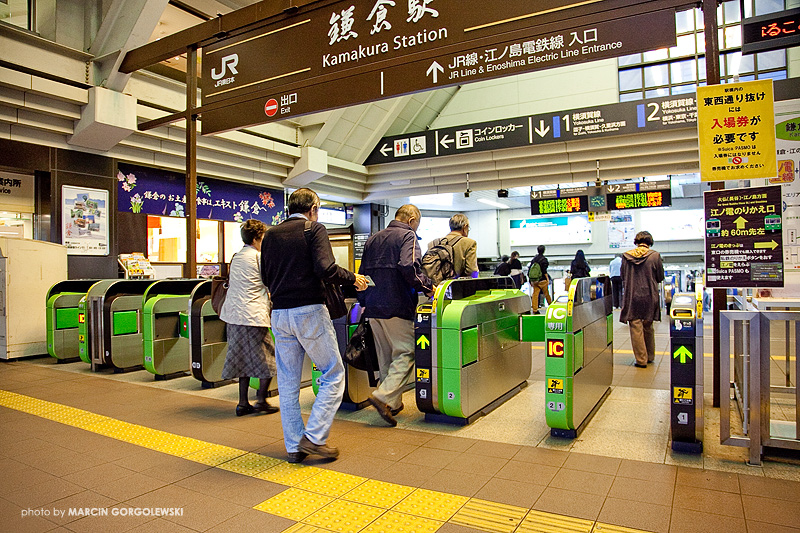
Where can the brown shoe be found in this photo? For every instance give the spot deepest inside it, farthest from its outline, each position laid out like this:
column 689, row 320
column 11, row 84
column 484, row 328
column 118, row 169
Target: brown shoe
column 323, row 450
column 384, row 410
column 264, row 407
column 395, row 411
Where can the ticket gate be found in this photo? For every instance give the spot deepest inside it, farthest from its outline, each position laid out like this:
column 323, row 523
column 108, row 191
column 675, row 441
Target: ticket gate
column 357, row 384
column 114, row 310
column 85, row 321
column 205, row 332
column 63, row 318
column 471, row 354
column 579, row 362
column 686, row 372
column 165, row 350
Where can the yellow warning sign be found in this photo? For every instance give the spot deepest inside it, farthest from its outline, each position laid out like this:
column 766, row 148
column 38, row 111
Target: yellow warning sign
column 682, row 395
column 555, row 386
column 81, row 338
column 423, row 373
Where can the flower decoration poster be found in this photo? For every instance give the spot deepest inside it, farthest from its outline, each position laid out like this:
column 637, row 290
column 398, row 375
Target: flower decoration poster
column 84, row 220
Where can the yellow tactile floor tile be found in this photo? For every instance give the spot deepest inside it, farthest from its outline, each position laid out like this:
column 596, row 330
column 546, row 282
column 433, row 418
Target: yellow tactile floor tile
column 611, row 528
column 331, row 483
column 294, row 504
column 75, row 417
column 304, row 528
column 489, row 516
column 378, row 493
column 431, row 504
column 214, row 455
column 344, row 517
column 288, row 473
column 178, row 445
column 393, row 522
column 541, row 522
column 249, row 464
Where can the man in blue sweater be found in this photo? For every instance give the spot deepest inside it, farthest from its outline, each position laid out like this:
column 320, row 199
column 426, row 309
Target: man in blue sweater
column 392, row 258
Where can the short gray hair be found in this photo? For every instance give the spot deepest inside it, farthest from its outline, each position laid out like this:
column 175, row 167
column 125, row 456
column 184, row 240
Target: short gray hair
column 406, row 212
column 458, row 221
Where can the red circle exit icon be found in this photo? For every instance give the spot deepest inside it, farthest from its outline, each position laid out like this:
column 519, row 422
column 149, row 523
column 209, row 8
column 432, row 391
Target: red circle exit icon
column 271, row 107
column 737, row 160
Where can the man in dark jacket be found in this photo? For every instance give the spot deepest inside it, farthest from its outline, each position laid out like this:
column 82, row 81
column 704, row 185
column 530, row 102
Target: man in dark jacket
column 642, row 271
column 392, row 259
column 503, row 269
column 295, row 259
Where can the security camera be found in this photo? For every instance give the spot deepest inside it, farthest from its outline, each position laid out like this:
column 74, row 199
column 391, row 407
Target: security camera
column 502, row 193
column 466, row 193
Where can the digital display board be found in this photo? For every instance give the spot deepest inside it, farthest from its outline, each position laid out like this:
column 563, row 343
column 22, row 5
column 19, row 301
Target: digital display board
column 771, row 32
column 639, row 200
column 557, row 206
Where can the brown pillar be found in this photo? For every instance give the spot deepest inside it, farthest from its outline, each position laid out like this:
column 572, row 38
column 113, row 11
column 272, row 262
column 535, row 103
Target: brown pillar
column 190, row 268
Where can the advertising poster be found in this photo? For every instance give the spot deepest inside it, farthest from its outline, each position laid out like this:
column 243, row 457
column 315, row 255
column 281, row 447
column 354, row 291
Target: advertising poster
column 736, row 130
column 621, row 231
column 744, row 237
column 84, row 220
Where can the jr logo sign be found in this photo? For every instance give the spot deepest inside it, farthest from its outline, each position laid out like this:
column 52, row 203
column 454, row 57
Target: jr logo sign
column 228, row 64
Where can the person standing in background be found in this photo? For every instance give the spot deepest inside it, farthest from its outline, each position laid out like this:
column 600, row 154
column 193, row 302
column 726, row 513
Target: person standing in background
column 465, row 250
column 642, row 271
column 503, row 269
column 516, row 269
column 615, row 273
column 579, row 267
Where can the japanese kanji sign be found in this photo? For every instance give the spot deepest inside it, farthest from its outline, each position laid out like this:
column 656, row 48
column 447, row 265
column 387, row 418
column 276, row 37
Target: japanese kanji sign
column 744, row 239
column 338, row 54
column 736, row 130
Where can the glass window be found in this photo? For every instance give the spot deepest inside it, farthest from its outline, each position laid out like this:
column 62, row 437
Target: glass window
column 630, row 79
column 733, row 37
column 701, row 43
column 166, row 239
column 632, row 59
column 775, row 75
column 207, row 241
column 684, row 47
column 732, row 12
column 628, row 97
column 683, row 89
column 764, row 7
column 656, row 75
column 684, row 21
column 771, row 60
column 15, row 12
column 745, row 62
column 683, row 71
column 698, row 19
column 656, row 55
column 656, row 93
column 233, row 239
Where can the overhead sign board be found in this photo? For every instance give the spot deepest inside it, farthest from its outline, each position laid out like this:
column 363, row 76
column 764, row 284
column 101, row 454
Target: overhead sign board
column 343, row 54
column 744, row 237
column 560, row 201
column 736, row 131
column 639, row 195
column 589, row 122
column 775, row 31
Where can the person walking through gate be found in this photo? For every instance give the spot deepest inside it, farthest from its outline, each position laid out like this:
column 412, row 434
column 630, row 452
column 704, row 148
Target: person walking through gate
column 642, row 271
column 294, row 263
column 540, row 281
column 615, row 273
column 392, row 259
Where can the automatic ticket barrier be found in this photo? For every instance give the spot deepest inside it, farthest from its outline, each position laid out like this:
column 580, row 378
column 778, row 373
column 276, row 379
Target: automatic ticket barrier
column 686, row 373
column 471, row 354
column 166, row 351
column 208, row 343
column 113, row 316
column 579, row 355
column 64, row 318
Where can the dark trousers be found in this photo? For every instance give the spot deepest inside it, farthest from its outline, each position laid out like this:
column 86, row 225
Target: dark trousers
column 616, row 290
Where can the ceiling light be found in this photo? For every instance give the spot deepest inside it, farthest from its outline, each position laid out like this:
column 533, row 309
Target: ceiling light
column 492, row 203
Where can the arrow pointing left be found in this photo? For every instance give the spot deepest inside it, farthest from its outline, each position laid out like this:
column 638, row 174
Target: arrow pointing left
column 385, row 148
column 435, row 68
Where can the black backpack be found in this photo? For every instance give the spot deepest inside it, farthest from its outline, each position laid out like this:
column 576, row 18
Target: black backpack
column 437, row 263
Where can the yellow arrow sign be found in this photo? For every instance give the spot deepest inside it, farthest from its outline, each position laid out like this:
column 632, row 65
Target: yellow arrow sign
column 423, row 342
column 740, row 222
column 771, row 244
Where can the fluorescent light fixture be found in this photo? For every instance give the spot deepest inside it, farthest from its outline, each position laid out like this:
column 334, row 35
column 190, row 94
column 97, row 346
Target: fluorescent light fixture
column 492, row 203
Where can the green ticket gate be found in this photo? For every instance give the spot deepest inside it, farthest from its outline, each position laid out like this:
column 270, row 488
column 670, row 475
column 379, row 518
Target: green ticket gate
column 85, row 319
column 208, row 343
column 357, row 383
column 114, row 324
column 686, row 373
column 64, row 318
column 166, row 350
column 579, row 355
column 472, row 350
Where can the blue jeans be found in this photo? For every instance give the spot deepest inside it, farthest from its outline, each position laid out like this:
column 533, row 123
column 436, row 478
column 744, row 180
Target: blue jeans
column 300, row 331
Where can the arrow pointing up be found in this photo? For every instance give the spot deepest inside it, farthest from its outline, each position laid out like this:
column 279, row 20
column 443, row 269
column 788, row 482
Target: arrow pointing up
column 683, row 354
column 385, row 148
column 542, row 130
column 740, row 222
column 435, row 68
column 423, row 342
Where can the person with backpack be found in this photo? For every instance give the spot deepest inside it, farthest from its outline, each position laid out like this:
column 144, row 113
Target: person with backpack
column 538, row 278
column 453, row 256
column 392, row 259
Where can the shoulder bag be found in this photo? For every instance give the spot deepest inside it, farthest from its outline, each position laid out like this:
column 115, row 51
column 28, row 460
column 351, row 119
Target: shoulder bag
column 334, row 298
column 360, row 352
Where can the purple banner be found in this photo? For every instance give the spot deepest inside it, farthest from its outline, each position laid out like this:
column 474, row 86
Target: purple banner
column 161, row 192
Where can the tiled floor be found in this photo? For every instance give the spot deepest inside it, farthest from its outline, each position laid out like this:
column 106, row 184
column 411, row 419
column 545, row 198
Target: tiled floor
column 619, row 471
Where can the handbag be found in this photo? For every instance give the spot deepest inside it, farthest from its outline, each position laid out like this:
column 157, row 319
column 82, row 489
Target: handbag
column 331, row 292
column 219, row 290
column 360, row 352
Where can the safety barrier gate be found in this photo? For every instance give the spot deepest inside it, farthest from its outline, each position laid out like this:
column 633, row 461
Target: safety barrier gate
column 754, row 335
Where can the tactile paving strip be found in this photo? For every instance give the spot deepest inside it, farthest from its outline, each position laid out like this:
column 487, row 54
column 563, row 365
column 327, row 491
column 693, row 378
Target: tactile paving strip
column 610, row 528
column 541, row 522
column 289, row 474
column 331, row 483
column 489, row 516
column 378, row 493
column 392, row 522
column 344, row 517
column 294, row 504
column 431, row 504
column 304, row 528
column 249, row 464
column 215, row 455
